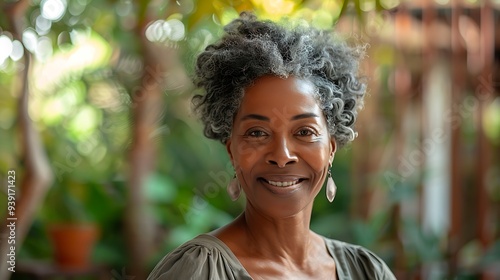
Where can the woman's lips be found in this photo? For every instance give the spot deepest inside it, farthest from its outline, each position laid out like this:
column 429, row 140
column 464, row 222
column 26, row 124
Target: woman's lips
column 282, row 187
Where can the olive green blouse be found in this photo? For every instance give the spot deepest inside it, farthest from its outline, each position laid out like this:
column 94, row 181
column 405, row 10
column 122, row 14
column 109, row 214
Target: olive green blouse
column 207, row 257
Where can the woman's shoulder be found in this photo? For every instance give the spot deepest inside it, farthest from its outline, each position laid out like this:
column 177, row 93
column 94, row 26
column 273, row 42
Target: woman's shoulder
column 357, row 262
column 204, row 257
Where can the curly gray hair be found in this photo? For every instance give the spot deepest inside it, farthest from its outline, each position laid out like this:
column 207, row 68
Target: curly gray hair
column 251, row 48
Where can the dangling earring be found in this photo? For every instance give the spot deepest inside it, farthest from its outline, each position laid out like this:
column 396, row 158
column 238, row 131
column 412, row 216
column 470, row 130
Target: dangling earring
column 234, row 188
column 331, row 188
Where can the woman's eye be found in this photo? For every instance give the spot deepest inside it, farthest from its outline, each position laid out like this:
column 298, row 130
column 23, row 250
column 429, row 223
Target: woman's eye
column 256, row 133
column 305, row 132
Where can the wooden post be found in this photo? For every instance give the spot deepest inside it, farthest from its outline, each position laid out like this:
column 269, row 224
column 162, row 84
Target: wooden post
column 456, row 190
column 483, row 95
column 402, row 94
column 146, row 114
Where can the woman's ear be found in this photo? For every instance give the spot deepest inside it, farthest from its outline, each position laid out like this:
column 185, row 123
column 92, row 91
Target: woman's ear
column 333, row 149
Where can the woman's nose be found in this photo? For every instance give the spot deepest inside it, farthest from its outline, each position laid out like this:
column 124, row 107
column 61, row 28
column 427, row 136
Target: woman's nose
column 281, row 153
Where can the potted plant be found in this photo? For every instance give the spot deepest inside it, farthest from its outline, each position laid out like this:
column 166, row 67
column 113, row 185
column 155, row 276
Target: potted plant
column 71, row 228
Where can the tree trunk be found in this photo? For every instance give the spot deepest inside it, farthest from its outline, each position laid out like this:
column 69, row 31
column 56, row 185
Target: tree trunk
column 37, row 176
column 146, row 112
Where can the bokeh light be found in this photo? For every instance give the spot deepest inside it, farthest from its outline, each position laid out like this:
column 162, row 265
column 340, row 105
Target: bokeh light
column 5, row 48
column 42, row 25
column 53, row 9
column 280, row 7
column 228, row 15
column 75, row 8
column 44, row 49
column 30, row 39
column 389, row 4
column 186, row 6
column 162, row 31
column 83, row 124
column 17, row 50
column 53, row 111
column 177, row 31
column 154, row 31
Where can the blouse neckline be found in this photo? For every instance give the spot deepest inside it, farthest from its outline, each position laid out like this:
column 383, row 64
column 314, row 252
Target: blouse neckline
column 236, row 264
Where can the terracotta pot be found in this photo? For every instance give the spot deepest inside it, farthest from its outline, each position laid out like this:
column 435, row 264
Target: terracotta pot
column 73, row 244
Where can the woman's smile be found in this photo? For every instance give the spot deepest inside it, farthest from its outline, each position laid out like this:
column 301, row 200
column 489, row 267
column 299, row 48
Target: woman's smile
column 282, row 188
column 281, row 184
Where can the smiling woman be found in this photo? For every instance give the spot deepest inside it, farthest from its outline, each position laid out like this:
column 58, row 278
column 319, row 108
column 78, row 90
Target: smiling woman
column 282, row 101
column 280, row 122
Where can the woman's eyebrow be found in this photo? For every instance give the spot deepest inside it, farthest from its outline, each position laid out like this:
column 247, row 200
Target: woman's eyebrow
column 304, row 116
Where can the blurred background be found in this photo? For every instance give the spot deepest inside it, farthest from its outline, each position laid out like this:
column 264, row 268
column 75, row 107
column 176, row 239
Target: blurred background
column 95, row 125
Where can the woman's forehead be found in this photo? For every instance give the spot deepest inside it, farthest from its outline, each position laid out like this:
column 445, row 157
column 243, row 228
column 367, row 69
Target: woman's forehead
column 283, row 96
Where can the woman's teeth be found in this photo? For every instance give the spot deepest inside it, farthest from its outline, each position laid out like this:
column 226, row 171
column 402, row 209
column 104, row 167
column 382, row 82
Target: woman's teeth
column 282, row 184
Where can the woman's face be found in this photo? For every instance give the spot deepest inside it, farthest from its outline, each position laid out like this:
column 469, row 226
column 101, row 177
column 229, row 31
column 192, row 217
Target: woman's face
column 280, row 146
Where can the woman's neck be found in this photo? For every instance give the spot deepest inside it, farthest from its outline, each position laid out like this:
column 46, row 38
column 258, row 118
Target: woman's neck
column 281, row 239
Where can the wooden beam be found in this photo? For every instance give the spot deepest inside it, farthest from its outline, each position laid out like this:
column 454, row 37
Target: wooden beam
column 483, row 96
column 456, row 189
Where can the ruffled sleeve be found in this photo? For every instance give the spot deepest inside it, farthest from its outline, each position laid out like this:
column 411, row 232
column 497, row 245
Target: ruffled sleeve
column 204, row 257
column 356, row 262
